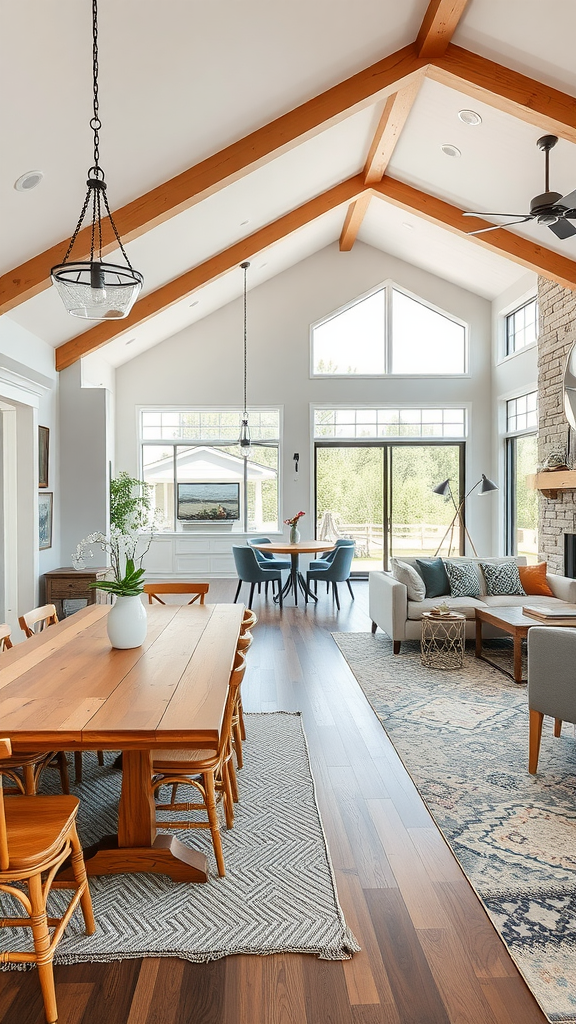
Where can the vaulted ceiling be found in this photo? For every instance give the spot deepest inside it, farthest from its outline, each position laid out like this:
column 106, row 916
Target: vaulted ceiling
column 266, row 131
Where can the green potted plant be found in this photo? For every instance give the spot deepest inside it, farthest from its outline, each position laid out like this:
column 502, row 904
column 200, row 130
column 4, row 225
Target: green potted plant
column 130, row 513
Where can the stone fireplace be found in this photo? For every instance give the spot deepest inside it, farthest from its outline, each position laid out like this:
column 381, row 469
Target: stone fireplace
column 557, row 333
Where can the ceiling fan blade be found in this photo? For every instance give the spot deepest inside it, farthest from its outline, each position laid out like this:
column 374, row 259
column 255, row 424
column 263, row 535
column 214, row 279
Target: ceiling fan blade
column 495, row 227
column 495, row 215
column 568, row 201
column 563, row 229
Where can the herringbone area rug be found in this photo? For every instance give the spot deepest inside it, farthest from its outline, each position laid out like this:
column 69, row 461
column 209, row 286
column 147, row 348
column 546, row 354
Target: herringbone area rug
column 278, row 894
column 463, row 736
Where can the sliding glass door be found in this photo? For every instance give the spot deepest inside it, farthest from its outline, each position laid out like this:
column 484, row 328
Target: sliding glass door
column 381, row 495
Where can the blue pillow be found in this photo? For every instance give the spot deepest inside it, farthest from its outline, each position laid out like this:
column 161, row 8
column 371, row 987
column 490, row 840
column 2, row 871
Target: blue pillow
column 434, row 575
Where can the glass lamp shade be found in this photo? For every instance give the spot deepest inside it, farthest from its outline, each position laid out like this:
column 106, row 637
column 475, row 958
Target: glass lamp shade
column 244, row 441
column 97, row 291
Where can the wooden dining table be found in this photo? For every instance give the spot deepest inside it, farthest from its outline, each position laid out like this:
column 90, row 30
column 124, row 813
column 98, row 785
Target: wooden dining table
column 296, row 579
column 68, row 689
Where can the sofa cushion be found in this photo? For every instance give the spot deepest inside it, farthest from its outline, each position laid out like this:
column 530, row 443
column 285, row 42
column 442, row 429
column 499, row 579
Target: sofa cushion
column 463, row 577
column 434, row 575
column 411, row 579
column 533, row 579
column 502, row 578
column 464, row 605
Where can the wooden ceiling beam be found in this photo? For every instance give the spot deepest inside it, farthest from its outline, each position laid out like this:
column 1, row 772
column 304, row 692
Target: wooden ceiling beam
column 354, row 218
column 221, row 169
column 155, row 302
column 548, row 109
column 514, row 247
column 438, row 27
column 394, row 117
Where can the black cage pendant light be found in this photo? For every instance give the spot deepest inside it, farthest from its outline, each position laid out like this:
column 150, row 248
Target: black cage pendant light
column 92, row 289
column 244, row 441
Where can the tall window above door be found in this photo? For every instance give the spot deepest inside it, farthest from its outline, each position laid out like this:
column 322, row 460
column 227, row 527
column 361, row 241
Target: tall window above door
column 521, row 460
column 522, row 327
column 388, row 332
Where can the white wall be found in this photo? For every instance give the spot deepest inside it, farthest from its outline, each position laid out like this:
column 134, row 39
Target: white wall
column 202, row 365
column 29, row 387
column 512, row 375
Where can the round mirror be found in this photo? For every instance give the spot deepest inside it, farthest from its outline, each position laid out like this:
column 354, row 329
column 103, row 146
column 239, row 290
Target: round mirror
column 570, row 388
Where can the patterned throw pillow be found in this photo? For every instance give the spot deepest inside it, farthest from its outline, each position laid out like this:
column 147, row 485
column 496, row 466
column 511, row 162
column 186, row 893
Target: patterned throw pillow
column 502, row 578
column 412, row 580
column 463, row 576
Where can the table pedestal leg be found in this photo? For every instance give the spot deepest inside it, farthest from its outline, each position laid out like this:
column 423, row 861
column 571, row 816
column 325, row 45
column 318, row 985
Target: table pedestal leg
column 137, row 847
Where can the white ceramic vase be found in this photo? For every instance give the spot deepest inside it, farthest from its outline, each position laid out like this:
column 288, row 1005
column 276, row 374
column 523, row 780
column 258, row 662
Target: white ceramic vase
column 127, row 622
column 294, row 535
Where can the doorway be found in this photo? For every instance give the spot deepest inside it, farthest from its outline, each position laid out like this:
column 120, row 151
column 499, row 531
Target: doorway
column 381, row 495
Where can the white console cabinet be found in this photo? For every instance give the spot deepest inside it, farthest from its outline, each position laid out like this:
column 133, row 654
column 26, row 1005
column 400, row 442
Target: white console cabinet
column 192, row 555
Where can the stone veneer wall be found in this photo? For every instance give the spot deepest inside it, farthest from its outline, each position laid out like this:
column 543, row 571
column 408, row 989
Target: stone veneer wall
column 557, row 334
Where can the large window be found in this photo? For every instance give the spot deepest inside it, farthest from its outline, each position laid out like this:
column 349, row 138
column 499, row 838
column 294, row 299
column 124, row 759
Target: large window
column 521, row 461
column 376, row 470
column 522, row 327
column 388, row 332
column 200, row 446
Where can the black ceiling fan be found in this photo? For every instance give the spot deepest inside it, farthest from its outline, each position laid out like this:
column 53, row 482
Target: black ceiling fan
column 550, row 208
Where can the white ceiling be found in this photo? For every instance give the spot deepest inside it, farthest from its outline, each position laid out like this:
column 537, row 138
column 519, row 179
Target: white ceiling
column 180, row 79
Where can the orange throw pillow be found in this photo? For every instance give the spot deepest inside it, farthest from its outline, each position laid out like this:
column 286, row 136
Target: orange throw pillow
column 533, row 579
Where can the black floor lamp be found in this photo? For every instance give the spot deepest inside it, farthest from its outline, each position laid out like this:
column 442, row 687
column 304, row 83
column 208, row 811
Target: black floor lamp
column 445, row 489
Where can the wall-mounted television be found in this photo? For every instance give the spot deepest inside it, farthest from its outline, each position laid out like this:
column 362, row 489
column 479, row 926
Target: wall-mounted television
column 208, row 503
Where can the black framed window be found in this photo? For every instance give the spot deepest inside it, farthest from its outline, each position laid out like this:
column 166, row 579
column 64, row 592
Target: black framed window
column 522, row 327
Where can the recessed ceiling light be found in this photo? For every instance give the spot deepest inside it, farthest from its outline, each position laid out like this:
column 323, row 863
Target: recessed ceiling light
column 405, row 224
column 451, row 151
column 469, row 117
column 262, row 265
column 28, row 181
column 130, row 340
column 243, row 223
column 195, row 303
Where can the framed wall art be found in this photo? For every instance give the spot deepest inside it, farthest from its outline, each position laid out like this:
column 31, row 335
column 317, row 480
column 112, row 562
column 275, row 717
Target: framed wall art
column 43, row 450
column 45, row 509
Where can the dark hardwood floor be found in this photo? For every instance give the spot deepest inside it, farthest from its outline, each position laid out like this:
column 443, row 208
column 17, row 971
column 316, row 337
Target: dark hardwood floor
column 429, row 954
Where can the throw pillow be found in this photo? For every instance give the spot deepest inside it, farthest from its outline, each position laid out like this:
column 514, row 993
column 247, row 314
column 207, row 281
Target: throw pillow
column 533, row 579
column 502, row 578
column 412, row 580
column 434, row 575
column 463, row 577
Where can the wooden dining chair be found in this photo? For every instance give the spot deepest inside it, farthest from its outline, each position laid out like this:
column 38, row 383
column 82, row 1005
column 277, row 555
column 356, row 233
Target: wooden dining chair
column 32, row 623
column 5, row 634
column 38, row 619
column 209, row 771
column 37, row 834
column 245, row 640
column 198, row 590
column 24, row 769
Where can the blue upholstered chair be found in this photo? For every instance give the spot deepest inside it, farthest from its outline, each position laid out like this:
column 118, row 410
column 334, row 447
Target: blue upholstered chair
column 250, row 571
column 338, row 571
column 327, row 559
column 274, row 562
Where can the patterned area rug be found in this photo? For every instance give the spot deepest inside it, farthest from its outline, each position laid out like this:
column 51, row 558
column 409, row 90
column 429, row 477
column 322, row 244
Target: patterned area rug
column 278, row 894
column 463, row 736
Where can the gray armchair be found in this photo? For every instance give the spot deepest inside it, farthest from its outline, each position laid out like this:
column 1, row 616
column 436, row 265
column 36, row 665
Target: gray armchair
column 551, row 682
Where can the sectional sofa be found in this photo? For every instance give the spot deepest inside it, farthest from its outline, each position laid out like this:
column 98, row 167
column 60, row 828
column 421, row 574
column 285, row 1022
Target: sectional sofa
column 399, row 617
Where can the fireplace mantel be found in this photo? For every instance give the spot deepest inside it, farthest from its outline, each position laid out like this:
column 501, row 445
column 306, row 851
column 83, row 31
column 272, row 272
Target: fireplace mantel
column 553, row 480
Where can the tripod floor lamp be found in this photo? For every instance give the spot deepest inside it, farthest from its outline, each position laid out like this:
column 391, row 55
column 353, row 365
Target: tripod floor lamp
column 458, row 517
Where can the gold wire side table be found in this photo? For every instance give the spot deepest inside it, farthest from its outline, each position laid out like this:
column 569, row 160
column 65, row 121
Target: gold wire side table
column 443, row 640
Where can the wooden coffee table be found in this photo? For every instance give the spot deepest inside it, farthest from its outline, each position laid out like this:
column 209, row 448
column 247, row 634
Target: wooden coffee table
column 510, row 620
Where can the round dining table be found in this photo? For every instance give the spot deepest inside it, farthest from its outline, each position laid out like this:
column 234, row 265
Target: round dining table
column 296, row 579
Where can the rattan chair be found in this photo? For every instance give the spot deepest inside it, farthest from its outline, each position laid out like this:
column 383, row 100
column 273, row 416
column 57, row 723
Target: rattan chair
column 198, row 590
column 37, row 834
column 210, row 772
column 32, row 623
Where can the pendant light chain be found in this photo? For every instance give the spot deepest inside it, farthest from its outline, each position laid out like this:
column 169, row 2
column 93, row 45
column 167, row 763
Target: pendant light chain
column 96, row 183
